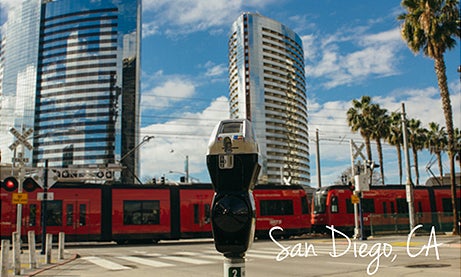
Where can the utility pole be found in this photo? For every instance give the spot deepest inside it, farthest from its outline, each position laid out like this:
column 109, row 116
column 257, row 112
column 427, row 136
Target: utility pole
column 317, row 155
column 409, row 183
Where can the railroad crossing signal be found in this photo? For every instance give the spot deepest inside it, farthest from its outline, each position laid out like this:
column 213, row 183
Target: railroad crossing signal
column 21, row 138
column 358, row 150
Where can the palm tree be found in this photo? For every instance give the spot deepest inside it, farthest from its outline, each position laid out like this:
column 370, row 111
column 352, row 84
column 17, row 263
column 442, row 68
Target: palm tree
column 432, row 26
column 395, row 138
column 380, row 129
column 458, row 145
column 416, row 136
column 436, row 141
column 359, row 119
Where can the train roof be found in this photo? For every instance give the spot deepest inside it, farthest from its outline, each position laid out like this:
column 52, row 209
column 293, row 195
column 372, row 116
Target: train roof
column 384, row 187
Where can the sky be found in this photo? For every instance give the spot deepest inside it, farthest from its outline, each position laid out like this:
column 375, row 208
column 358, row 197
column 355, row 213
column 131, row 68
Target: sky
column 351, row 49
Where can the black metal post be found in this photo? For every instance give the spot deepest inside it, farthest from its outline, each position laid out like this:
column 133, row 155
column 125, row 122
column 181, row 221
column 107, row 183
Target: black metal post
column 44, row 206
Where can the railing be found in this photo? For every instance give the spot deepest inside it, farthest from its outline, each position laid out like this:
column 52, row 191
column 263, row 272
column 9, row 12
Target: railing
column 399, row 223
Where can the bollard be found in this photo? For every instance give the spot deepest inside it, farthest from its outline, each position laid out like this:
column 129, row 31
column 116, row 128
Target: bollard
column 16, row 253
column 61, row 246
column 4, row 257
column 49, row 244
column 32, row 251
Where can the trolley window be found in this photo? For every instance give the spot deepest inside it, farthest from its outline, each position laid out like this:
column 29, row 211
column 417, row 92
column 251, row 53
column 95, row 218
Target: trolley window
column 196, row 214
column 349, row 206
column 276, row 207
column 54, row 213
column 141, row 212
column 368, row 205
column 82, row 217
column 319, row 203
column 402, row 206
column 334, row 204
column 447, row 207
column 304, row 205
column 70, row 214
column 33, row 215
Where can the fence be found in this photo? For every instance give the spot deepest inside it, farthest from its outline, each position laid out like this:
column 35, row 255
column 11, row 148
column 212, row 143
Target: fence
column 400, row 223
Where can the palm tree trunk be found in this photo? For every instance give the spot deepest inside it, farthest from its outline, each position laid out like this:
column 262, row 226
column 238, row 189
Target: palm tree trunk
column 415, row 160
column 368, row 148
column 440, row 69
column 380, row 157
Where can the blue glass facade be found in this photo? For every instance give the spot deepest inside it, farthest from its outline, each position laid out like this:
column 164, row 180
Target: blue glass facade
column 268, row 87
column 87, row 83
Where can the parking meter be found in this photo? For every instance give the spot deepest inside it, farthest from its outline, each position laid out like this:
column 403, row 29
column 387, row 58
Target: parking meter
column 233, row 163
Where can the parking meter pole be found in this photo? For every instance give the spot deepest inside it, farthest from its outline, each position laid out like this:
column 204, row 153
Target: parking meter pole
column 234, row 267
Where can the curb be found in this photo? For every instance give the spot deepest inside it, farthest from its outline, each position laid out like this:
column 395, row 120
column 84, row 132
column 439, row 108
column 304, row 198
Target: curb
column 40, row 270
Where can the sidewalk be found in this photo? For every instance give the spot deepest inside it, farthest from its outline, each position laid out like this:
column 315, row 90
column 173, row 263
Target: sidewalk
column 41, row 266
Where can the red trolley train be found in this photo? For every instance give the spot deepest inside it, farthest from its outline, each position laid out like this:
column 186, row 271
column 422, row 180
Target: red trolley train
column 125, row 213
column 385, row 208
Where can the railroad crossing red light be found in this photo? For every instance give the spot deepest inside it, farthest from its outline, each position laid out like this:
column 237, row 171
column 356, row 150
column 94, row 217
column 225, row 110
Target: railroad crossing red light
column 30, row 184
column 10, row 184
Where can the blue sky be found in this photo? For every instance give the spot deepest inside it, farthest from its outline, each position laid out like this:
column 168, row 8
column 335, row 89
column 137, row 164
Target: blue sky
column 352, row 48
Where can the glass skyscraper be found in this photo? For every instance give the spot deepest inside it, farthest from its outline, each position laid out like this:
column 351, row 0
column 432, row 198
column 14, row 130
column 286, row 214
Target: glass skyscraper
column 84, row 105
column 268, row 87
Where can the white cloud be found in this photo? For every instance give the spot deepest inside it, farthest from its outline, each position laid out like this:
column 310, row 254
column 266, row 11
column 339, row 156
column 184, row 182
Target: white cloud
column 169, row 91
column 187, row 135
column 185, row 16
column 370, row 55
column 215, row 70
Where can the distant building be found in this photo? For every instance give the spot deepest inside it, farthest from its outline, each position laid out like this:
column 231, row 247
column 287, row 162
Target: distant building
column 268, row 87
column 70, row 70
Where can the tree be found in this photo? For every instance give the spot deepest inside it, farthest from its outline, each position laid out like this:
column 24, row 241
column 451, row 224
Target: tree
column 432, row 26
column 416, row 137
column 359, row 118
column 458, row 145
column 395, row 138
column 436, row 141
column 380, row 130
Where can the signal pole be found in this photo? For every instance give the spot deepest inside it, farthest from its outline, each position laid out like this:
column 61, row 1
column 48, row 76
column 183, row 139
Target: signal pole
column 409, row 183
column 21, row 139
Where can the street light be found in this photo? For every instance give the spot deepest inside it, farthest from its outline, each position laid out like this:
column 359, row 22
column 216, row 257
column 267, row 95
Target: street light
column 144, row 140
column 186, row 166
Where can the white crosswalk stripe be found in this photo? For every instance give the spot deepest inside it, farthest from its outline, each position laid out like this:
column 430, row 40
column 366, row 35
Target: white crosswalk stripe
column 158, row 260
column 105, row 263
column 186, row 260
column 217, row 256
column 144, row 261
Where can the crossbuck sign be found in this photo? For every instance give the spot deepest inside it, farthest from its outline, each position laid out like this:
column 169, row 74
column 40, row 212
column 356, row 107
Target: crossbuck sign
column 21, row 138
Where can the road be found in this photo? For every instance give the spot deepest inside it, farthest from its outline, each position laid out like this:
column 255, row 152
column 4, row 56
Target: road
column 384, row 256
